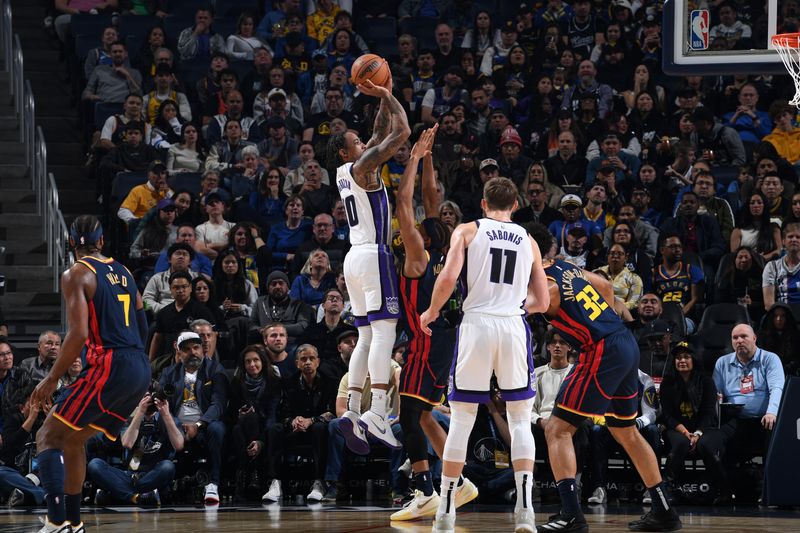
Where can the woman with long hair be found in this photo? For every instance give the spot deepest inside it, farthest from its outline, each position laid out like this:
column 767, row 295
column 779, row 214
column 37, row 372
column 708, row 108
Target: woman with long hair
column 739, row 281
column 252, row 407
column 620, row 125
column 245, row 239
column 343, row 50
column 157, row 232
column 168, row 124
column 145, row 59
column 286, row 236
column 538, row 173
column 755, row 230
column 779, row 334
column 236, row 295
column 268, row 202
column 636, row 258
column 482, row 35
column 205, row 292
column 243, row 44
column 314, row 279
column 564, row 121
column 450, row 214
column 403, row 63
column 646, row 121
column 689, row 414
column 643, row 82
column 189, row 154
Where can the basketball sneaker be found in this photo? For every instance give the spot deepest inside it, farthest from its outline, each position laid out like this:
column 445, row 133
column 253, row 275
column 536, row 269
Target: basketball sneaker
column 566, row 523
column 380, row 429
column 420, row 506
column 80, row 528
column 211, row 496
column 354, row 435
column 657, row 521
column 524, row 520
column 274, row 493
column 465, row 493
column 52, row 528
column 16, row 498
column 445, row 523
column 317, row 491
column 598, row 496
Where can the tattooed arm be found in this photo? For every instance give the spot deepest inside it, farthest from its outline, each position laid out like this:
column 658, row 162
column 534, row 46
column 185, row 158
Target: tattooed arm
column 364, row 168
column 380, row 129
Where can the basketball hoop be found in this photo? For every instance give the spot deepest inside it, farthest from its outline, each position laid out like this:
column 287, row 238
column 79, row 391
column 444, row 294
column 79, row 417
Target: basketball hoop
column 788, row 47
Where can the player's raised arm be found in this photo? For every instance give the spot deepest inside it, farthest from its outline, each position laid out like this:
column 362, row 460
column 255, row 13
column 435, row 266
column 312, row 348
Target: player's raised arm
column 538, row 300
column 398, row 133
column 429, row 195
column 383, row 121
column 446, row 280
column 416, row 260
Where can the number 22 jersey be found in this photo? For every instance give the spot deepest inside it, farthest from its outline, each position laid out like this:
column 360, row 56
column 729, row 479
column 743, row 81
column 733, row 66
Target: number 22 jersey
column 584, row 316
column 497, row 269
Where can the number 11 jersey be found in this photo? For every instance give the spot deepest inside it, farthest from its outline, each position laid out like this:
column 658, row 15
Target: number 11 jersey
column 497, row 269
column 584, row 316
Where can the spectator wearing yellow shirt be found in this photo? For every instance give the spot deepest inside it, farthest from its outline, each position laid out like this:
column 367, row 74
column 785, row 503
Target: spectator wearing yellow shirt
column 320, row 23
column 785, row 137
column 144, row 197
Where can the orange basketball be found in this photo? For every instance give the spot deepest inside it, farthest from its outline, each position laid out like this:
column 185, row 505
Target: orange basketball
column 370, row 67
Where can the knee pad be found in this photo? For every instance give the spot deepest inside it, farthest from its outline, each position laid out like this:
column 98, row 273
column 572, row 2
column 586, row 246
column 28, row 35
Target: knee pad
column 462, row 418
column 380, row 350
column 519, row 425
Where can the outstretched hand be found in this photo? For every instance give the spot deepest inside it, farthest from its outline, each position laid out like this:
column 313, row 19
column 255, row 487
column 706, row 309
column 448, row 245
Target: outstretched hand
column 371, row 89
column 422, row 148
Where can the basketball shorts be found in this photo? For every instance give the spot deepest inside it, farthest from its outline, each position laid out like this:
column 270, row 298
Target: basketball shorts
column 428, row 360
column 604, row 382
column 106, row 392
column 372, row 284
column 487, row 344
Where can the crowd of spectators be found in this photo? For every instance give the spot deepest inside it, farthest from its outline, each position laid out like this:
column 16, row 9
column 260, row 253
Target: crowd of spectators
column 678, row 190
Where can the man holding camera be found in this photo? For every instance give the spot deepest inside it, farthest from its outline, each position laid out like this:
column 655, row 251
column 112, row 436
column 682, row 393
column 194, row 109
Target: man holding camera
column 199, row 402
column 151, row 438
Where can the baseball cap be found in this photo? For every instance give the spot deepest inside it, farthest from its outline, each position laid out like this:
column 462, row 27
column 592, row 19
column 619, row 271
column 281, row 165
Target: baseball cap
column 217, row 194
column 488, row 163
column 650, row 20
column 509, row 26
column 622, row 3
column 657, row 328
column 165, row 203
column 640, row 189
column 276, row 91
column 455, row 69
column 499, row 111
column 188, row 336
column 571, row 199
column 156, row 164
column 346, row 334
column 610, row 135
column 319, row 52
column 276, row 122
column 682, row 347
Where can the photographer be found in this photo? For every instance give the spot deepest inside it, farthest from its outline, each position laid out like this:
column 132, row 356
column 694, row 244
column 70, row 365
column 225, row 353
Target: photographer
column 151, row 438
column 200, row 400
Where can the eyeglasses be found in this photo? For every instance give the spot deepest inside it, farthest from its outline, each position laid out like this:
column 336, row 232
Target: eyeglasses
column 332, row 298
column 52, row 343
column 535, row 191
column 6, row 354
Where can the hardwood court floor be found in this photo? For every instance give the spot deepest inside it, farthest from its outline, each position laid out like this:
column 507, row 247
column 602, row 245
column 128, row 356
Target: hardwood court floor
column 353, row 519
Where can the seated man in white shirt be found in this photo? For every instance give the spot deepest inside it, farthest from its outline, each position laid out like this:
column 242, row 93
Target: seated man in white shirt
column 212, row 236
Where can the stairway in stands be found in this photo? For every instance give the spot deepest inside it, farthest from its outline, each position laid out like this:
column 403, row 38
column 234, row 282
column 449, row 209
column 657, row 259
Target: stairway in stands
column 29, row 304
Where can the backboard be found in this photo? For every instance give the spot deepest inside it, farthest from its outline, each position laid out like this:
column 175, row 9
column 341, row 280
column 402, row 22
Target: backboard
column 706, row 37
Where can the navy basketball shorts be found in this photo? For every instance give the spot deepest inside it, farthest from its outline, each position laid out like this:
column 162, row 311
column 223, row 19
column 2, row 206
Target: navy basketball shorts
column 106, row 392
column 427, row 368
column 604, row 382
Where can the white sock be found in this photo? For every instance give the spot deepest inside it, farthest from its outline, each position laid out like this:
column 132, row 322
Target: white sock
column 378, row 402
column 447, row 505
column 354, row 401
column 524, row 490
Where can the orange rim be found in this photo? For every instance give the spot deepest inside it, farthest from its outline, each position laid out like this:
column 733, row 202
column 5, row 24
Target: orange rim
column 786, row 40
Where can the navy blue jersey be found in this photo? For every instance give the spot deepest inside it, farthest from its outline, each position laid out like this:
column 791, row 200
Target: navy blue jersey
column 112, row 310
column 584, row 317
column 676, row 287
column 416, row 294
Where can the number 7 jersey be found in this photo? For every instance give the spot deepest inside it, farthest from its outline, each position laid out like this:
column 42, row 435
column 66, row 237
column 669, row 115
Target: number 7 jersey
column 497, row 269
column 584, row 316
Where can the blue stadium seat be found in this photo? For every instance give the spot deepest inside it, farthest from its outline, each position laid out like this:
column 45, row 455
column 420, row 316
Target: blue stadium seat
column 233, row 8
column 136, row 25
column 123, row 183
column 85, row 24
column 378, row 29
column 423, row 28
column 175, row 24
column 225, row 26
column 103, row 110
column 185, row 180
column 134, row 44
column 192, row 71
column 241, row 67
column 84, row 44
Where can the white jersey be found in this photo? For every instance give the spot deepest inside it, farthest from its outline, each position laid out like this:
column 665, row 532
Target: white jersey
column 368, row 212
column 497, row 269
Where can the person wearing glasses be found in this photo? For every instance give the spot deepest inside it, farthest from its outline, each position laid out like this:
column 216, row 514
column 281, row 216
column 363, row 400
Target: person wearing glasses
column 49, row 347
column 322, row 238
column 537, row 209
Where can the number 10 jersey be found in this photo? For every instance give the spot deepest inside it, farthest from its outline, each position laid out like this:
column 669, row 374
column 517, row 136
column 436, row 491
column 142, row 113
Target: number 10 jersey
column 497, row 269
column 584, row 316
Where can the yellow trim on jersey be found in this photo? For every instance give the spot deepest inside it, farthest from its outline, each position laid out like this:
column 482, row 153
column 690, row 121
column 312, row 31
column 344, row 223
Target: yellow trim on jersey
column 581, row 413
column 612, row 415
column 61, row 419
column 552, row 279
column 104, row 432
column 87, row 265
column 420, row 398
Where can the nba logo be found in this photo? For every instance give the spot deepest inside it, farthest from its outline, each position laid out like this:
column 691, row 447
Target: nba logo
column 698, row 31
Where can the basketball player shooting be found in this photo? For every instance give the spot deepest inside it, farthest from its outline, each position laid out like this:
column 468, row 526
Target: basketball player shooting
column 604, row 382
column 369, row 268
column 107, row 326
column 503, row 271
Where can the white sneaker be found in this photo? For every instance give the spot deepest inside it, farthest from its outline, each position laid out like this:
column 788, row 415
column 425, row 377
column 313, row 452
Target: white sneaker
column 598, row 496
column 646, row 499
column 33, row 478
column 420, row 506
column 445, row 523
column 405, row 468
column 80, row 528
column 52, row 528
column 380, row 429
column 211, row 494
column 353, row 433
column 317, row 491
column 466, row 493
column 274, row 493
column 524, row 520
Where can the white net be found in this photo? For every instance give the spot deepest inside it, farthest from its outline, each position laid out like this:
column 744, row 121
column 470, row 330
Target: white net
column 788, row 47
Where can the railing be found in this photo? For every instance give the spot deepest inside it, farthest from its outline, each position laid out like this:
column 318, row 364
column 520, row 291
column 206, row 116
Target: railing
column 54, row 229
